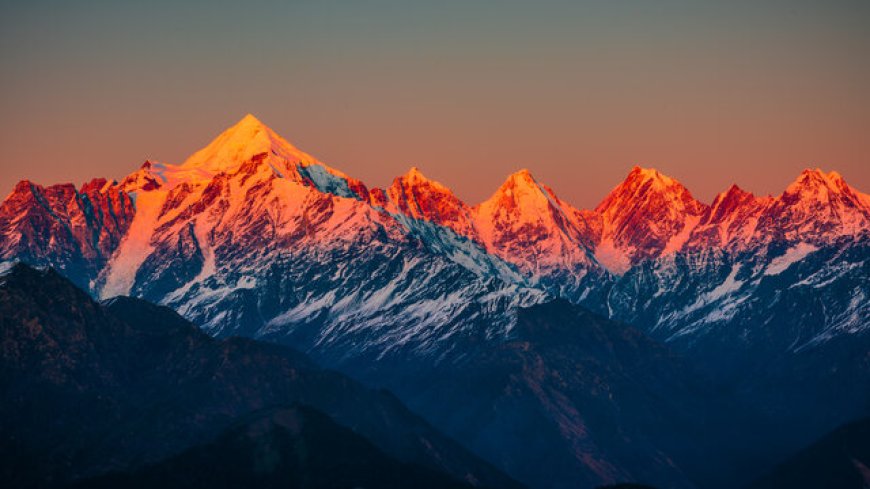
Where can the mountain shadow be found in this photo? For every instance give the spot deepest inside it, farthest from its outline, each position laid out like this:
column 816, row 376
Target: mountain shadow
column 291, row 448
column 840, row 459
column 89, row 389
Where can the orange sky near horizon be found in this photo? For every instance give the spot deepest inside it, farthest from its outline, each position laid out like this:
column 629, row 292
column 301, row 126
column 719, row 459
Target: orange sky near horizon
column 578, row 92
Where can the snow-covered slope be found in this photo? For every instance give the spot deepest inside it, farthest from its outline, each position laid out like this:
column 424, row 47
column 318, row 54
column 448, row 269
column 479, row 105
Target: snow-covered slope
column 252, row 236
column 646, row 216
column 525, row 223
column 748, row 255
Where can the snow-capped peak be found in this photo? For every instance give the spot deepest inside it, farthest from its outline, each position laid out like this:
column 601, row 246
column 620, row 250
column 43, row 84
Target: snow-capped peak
column 241, row 142
column 815, row 187
column 414, row 174
column 645, row 186
column 647, row 215
column 815, row 183
column 522, row 177
column 414, row 177
column 641, row 174
column 250, row 146
column 519, row 189
column 524, row 222
column 727, row 201
column 416, row 196
column 821, row 204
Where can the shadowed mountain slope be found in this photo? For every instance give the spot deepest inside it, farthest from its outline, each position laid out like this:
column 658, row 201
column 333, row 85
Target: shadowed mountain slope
column 88, row 389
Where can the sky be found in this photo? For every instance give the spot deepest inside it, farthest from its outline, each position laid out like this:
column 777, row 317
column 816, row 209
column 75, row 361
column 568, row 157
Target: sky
column 709, row 92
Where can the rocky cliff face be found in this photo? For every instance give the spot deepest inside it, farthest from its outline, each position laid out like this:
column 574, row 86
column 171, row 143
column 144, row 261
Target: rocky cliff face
column 76, row 231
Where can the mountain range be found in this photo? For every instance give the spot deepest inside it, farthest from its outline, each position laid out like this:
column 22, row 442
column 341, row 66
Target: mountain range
column 610, row 336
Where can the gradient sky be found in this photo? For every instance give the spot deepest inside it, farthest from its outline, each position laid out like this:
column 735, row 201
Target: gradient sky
column 712, row 93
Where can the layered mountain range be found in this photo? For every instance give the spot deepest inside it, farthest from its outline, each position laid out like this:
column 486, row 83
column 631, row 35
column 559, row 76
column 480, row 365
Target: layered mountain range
column 251, row 236
column 103, row 393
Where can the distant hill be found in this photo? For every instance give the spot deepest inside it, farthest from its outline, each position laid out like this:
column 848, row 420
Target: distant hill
column 89, row 389
column 290, row 448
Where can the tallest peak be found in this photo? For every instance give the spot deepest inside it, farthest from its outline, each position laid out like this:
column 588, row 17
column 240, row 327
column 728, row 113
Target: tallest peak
column 239, row 143
column 248, row 127
column 249, row 120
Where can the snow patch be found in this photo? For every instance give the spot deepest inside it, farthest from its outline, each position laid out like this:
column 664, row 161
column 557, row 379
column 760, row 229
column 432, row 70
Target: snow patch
column 613, row 258
column 6, row 266
column 135, row 247
column 327, row 182
column 729, row 286
column 678, row 240
column 793, row 255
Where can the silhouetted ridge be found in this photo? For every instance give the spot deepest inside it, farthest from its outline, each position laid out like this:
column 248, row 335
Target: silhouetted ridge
column 89, row 389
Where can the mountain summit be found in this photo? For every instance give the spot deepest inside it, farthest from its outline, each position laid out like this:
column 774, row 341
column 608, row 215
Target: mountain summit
column 525, row 223
column 241, row 142
column 647, row 215
column 419, row 197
